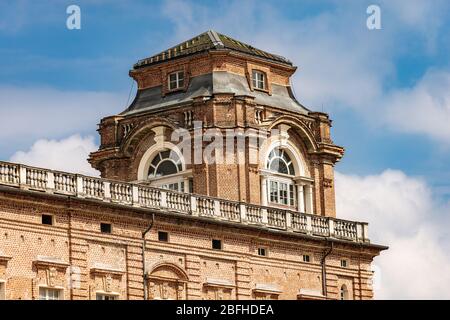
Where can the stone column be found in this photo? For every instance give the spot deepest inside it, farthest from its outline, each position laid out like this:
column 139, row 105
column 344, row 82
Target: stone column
column 300, row 197
column 186, row 185
column 309, row 198
column 264, row 190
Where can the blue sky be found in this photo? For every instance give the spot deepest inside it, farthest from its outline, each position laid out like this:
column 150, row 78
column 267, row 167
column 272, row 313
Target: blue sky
column 386, row 90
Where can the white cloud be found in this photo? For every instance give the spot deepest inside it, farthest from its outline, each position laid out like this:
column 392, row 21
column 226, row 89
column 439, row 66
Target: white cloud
column 424, row 108
column 403, row 215
column 68, row 154
column 341, row 63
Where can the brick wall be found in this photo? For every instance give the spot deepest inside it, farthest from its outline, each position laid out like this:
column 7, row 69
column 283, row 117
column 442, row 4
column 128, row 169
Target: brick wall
column 83, row 261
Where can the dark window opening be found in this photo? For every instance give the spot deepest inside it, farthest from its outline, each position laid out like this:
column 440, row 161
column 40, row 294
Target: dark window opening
column 163, row 236
column 47, row 219
column 105, row 227
column 217, row 244
column 262, row 252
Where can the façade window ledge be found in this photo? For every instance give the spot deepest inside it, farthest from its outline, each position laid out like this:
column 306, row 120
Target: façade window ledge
column 137, row 195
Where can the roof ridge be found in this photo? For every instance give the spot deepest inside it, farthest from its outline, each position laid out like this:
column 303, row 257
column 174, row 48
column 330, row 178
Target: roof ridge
column 215, row 39
column 206, row 41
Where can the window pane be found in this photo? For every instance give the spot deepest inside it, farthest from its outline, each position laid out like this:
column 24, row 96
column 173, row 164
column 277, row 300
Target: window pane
column 166, row 167
column 291, row 169
column 165, row 154
column 273, row 191
column 49, row 294
column 156, row 160
column 279, row 165
column 283, row 193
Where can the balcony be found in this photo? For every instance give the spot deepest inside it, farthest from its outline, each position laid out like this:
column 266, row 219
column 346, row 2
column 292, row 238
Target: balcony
column 135, row 195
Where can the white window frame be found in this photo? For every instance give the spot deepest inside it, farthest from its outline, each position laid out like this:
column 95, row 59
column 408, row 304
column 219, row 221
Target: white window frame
column 259, row 79
column 176, row 182
column 169, row 182
column 265, row 251
column 290, row 199
column 48, row 289
column 2, row 290
column 106, row 294
column 178, row 81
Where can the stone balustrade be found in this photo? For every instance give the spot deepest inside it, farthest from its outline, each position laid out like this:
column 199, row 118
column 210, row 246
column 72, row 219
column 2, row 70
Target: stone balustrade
column 136, row 195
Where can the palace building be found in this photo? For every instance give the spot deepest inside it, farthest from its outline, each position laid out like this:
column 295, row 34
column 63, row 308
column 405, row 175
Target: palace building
column 216, row 183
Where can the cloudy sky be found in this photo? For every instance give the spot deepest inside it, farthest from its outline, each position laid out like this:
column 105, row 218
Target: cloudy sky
column 387, row 90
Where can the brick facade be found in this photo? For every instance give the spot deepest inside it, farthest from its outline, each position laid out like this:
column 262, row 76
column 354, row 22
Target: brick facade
column 85, row 261
column 75, row 257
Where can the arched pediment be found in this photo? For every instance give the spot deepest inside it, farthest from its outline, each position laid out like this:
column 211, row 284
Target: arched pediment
column 168, row 271
column 304, row 129
column 143, row 129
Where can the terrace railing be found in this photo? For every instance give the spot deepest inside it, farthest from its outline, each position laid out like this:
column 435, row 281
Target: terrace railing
column 137, row 195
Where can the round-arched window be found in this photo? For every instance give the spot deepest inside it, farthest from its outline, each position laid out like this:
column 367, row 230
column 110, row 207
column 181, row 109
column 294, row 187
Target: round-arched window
column 279, row 161
column 281, row 188
column 164, row 163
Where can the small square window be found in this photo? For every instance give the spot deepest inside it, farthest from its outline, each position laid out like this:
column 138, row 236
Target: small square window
column 217, row 244
column 262, row 252
column 259, row 80
column 306, row 258
column 47, row 219
column 105, row 227
column 344, row 263
column 163, row 236
column 176, row 80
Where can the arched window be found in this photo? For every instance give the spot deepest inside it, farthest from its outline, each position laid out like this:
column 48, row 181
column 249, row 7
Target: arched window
column 164, row 163
column 281, row 185
column 344, row 292
column 164, row 171
column 279, row 161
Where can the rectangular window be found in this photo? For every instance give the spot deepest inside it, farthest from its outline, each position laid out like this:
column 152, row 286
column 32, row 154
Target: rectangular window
column 105, row 227
column 291, row 194
column 176, row 80
column 50, row 294
column 262, row 252
column 163, row 236
column 344, row 263
column 274, row 191
column 47, row 219
column 217, row 244
column 103, row 296
column 2, row 291
column 259, row 80
column 283, row 193
column 306, row 258
column 176, row 186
